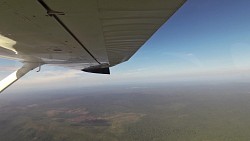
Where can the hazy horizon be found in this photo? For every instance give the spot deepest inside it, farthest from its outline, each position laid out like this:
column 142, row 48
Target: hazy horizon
column 174, row 111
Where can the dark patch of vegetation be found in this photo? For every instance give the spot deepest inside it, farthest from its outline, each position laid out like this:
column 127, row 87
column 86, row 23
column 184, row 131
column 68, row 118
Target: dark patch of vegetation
column 96, row 122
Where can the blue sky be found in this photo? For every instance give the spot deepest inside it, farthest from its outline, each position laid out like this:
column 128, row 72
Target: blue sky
column 203, row 40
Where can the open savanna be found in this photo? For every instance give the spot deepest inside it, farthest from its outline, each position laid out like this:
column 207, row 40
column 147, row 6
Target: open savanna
column 174, row 113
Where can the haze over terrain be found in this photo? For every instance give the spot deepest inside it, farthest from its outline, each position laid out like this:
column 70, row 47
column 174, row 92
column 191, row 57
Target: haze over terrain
column 175, row 111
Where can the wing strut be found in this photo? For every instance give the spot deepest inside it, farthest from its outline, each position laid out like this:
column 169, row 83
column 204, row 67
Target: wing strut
column 6, row 82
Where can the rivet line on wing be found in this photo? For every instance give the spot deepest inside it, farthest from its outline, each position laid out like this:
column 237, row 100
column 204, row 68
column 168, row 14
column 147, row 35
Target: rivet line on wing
column 54, row 14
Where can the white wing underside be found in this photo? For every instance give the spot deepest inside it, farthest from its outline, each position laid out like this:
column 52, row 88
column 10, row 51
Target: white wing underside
column 80, row 33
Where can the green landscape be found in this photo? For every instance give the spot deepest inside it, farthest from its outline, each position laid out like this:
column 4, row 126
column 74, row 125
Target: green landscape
column 163, row 113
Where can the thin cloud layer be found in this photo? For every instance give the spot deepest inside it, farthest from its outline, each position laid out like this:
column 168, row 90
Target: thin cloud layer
column 70, row 79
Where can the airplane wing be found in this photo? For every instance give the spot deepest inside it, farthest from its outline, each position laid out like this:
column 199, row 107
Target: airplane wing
column 89, row 35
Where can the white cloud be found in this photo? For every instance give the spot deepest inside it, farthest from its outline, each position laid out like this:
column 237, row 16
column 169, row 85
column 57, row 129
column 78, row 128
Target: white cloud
column 189, row 54
column 190, row 57
column 7, row 68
